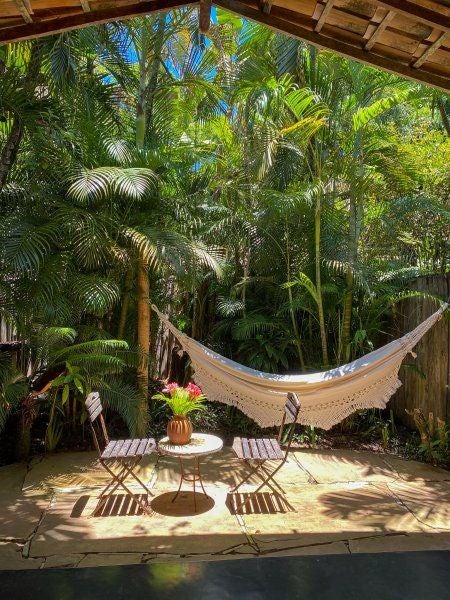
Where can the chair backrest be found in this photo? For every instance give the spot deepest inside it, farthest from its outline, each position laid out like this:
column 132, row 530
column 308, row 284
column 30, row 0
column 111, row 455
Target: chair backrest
column 94, row 410
column 291, row 412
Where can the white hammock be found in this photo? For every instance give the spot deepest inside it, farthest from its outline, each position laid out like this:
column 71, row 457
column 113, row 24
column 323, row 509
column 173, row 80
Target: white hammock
column 326, row 397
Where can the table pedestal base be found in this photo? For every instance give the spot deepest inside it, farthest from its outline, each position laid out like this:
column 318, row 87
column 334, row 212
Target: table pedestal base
column 193, row 477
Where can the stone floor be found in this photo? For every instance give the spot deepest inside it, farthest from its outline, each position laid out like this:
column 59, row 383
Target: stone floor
column 336, row 502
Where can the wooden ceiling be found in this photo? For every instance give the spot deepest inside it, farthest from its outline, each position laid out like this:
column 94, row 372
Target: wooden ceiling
column 410, row 38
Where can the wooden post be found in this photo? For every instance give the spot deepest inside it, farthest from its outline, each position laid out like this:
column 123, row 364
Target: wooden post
column 204, row 16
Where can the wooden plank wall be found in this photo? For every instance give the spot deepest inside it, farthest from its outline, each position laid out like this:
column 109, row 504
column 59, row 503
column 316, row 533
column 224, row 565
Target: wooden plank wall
column 431, row 393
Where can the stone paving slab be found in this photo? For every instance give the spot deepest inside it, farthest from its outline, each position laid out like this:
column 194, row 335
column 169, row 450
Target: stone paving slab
column 11, row 558
column 68, row 527
column 20, row 515
column 12, row 477
column 412, row 470
column 428, row 501
column 332, row 466
column 74, row 469
column 410, row 542
column 324, row 513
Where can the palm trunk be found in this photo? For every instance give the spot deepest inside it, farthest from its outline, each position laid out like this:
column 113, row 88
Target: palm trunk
column 298, row 342
column 10, row 149
column 317, row 233
column 143, row 335
column 354, row 233
column 444, row 115
column 125, row 303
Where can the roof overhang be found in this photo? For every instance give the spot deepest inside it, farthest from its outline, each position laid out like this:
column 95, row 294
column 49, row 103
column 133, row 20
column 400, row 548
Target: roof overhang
column 411, row 39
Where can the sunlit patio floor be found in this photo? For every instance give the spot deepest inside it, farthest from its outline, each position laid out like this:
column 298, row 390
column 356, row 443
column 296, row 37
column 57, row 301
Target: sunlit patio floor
column 336, row 502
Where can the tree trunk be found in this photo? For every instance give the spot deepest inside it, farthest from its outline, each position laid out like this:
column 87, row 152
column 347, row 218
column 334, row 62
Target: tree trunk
column 444, row 115
column 317, row 233
column 10, row 149
column 143, row 335
column 354, row 233
column 125, row 303
column 298, row 342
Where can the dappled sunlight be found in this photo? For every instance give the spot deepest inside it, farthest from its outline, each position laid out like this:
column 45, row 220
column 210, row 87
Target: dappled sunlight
column 332, row 499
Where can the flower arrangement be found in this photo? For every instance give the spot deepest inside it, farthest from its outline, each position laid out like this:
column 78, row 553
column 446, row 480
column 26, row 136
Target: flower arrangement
column 182, row 400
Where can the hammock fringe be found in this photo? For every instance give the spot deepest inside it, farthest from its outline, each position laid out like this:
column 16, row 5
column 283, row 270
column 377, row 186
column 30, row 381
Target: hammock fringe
column 327, row 397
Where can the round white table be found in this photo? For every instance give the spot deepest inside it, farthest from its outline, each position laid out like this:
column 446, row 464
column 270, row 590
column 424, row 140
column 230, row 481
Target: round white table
column 201, row 444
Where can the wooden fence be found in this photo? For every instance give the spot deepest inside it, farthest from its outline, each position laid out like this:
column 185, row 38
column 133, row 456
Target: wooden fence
column 425, row 383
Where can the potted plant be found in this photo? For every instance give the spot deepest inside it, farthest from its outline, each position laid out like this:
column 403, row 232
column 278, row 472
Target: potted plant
column 182, row 401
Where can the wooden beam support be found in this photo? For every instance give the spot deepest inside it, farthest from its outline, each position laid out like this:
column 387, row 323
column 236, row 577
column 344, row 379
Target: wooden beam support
column 59, row 24
column 25, row 10
column 327, row 6
column 432, row 18
column 347, row 49
column 372, row 34
column 85, row 6
column 204, row 16
column 431, row 49
column 265, row 5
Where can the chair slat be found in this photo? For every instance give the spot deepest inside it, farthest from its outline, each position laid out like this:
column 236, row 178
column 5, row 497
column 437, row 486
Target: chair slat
column 254, row 448
column 237, row 447
column 262, row 448
column 118, row 447
column 276, row 449
column 133, row 447
column 95, row 413
column 92, row 399
column 141, row 448
column 246, row 452
column 269, row 449
column 124, row 449
column 109, row 450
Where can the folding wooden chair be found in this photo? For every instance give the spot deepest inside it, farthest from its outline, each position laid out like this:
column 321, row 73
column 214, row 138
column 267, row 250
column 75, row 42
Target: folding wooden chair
column 122, row 454
column 256, row 452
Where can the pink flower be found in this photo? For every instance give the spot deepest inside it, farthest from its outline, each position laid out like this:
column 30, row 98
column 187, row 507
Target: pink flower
column 170, row 387
column 194, row 390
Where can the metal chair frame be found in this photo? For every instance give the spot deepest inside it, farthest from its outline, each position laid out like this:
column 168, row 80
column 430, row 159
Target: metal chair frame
column 126, row 453
column 256, row 465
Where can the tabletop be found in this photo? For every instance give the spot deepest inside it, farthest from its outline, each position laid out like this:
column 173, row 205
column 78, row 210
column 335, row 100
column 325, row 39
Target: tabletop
column 201, row 443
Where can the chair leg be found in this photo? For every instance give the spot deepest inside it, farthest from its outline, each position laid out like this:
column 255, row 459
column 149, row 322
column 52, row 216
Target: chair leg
column 117, row 480
column 269, row 478
column 252, row 472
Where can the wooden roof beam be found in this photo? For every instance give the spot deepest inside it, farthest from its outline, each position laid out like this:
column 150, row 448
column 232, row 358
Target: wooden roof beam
column 413, row 11
column 25, row 10
column 265, row 5
column 376, row 28
column 85, row 6
column 299, row 30
column 326, row 7
column 57, row 25
column 431, row 49
column 204, row 16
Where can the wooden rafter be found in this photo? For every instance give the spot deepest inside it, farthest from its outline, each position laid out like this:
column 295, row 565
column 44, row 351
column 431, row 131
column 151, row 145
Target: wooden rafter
column 25, row 10
column 49, row 27
column 265, row 5
column 424, row 15
column 327, row 6
column 298, row 30
column 204, row 16
column 85, row 5
column 374, row 30
column 429, row 50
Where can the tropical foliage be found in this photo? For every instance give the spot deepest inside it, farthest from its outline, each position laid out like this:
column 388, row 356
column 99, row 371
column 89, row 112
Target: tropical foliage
column 274, row 200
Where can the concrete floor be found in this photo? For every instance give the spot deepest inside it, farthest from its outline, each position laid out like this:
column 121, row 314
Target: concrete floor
column 336, row 502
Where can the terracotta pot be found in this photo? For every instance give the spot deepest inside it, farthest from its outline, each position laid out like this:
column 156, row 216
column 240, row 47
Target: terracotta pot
column 179, row 430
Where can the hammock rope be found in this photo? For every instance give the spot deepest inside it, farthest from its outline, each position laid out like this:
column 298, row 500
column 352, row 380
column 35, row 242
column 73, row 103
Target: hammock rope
column 327, row 397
